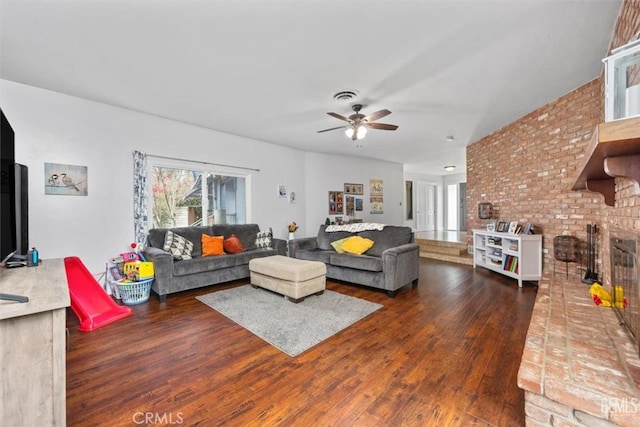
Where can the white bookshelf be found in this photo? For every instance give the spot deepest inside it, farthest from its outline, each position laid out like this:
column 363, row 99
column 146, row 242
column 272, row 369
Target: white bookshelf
column 518, row 256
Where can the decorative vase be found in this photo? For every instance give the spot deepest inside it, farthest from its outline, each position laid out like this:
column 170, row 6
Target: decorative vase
column 292, row 235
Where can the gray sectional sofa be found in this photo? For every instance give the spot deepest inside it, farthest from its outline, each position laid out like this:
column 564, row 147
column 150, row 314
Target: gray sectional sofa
column 173, row 275
column 390, row 264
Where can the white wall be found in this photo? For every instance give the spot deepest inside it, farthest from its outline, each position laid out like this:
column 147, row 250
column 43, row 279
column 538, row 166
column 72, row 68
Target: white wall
column 324, row 173
column 56, row 128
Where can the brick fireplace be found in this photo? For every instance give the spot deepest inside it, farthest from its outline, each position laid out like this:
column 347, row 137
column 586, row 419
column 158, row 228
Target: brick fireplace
column 625, row 283
column 579, row 367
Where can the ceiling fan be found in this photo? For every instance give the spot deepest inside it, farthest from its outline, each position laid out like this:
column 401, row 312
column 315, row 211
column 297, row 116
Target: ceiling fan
column 358, row 123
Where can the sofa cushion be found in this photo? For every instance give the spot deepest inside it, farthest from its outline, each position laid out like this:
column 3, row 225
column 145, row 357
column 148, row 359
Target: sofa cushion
column 245, row 232
column 356, row 245
column 264, row 238
column 212, row 245
column 203, row 264
column 232, row 245
column 358, row 262
column 246, row 256
column 177, row 245
column 325, row 239
column 314, row 255
column 390, row 237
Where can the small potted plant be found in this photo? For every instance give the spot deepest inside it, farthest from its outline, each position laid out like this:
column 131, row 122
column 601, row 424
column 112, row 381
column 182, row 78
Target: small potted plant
column 292, row 227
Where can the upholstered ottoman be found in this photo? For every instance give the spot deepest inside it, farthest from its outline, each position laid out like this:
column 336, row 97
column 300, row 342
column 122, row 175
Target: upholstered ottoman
column 291, row 277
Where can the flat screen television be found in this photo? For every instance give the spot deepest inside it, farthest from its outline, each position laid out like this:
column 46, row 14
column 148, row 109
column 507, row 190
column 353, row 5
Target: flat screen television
column 14, row 209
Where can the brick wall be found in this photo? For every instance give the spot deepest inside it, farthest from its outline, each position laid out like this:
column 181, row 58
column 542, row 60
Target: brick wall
column 526, row 169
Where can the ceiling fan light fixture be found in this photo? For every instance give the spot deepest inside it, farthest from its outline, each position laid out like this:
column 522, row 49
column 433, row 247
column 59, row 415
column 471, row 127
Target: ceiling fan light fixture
column 359, row 130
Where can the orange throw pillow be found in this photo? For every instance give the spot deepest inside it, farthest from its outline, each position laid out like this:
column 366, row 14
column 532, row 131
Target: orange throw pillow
column 232, row 245
column 212, row 245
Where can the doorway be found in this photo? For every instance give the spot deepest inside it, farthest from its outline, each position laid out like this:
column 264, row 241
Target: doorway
column 462, row 196
column 426, row 206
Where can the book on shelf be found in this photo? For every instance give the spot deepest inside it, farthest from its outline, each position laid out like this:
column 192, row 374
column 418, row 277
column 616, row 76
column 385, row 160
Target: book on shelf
column 510, row 263
column 494, row 240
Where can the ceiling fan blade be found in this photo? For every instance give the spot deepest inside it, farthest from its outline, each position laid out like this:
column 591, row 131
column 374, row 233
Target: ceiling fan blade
column 327, row 130
column 377, row 115
column 382, row 126
column 339, row 117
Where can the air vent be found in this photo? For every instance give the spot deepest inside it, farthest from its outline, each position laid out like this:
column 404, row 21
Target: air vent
column 345, row 95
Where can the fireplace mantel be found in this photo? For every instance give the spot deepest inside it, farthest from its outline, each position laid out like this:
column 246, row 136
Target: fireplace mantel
column 614, row 152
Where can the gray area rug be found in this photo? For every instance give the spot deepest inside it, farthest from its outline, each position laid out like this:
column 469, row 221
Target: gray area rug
column 292, row 328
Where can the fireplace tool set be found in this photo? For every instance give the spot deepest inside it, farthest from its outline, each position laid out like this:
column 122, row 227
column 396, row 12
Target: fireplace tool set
column 591, row 274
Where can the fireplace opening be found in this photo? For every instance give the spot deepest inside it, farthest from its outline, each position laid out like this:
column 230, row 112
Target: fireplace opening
column 625, row 290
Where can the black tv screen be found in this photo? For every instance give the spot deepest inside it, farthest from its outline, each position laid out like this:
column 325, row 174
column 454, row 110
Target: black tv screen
column 14, row 218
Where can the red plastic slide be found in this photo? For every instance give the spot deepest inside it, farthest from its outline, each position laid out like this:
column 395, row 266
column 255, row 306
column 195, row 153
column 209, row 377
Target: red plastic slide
column 89, row 301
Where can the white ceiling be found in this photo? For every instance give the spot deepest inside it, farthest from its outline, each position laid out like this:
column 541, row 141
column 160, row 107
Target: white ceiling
column 268, row 69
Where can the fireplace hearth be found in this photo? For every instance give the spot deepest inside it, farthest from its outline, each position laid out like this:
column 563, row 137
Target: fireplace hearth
column 625, row 287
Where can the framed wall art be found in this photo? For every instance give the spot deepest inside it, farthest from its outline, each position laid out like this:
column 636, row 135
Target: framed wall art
column 377, row 205
column 336, row 202
column 375, row 187
column 65, row 180
column 357, row 189
column 349, row 205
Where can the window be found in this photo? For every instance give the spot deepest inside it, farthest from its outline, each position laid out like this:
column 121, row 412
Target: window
column 184, row 195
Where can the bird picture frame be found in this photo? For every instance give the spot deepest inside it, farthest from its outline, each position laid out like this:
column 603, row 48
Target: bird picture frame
column 65, row 180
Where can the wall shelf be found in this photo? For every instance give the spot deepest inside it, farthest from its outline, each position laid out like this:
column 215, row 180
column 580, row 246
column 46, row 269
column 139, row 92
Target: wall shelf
column 614, row 152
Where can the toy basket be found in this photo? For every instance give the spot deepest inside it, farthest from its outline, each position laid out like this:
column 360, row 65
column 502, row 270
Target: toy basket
column 133, row 293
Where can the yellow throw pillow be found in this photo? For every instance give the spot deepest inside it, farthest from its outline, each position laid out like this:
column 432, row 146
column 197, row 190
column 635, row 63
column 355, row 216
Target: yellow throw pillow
column 212, row 245
column 357, row 245
column 337, row 245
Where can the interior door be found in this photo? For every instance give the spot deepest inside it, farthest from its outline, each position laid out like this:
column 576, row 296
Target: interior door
column 462, row 195
column 426, row 207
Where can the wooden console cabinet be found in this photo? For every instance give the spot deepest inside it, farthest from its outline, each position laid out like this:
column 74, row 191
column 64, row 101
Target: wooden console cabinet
column 33, row 345
column 515, row 255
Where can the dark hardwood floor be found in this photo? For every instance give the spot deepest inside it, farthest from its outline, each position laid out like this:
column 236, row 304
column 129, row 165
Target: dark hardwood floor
column 445, row 354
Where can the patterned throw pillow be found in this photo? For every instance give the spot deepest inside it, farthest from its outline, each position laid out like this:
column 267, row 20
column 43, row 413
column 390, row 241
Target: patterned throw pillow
column 177, row 245
column 263, row 239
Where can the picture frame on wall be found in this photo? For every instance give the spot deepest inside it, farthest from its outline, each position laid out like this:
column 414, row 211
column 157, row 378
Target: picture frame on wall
column 65, row 180
column 356, row 189
column 350, row 205
column 336, row 202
